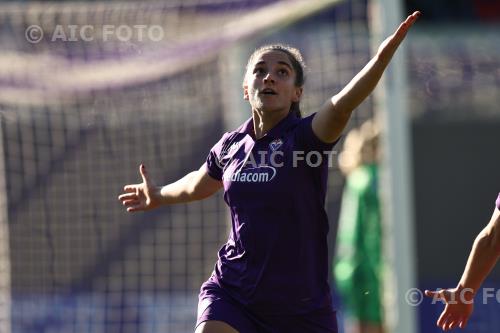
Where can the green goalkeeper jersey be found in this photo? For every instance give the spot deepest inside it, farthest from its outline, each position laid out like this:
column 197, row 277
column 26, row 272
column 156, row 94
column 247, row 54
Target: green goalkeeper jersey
column 357, row 265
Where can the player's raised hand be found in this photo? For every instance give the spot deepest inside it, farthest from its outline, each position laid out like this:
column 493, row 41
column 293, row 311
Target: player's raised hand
column 391, row 43
column 143, row 196
column 458, row 307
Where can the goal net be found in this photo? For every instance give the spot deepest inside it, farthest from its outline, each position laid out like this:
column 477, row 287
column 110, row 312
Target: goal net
column 89, row 90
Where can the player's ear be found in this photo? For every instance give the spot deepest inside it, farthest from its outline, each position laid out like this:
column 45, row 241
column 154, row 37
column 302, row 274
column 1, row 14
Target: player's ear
column 297, row 94
column 245, row 92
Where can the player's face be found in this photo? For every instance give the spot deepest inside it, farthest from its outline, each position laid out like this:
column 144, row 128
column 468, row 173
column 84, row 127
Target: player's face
column 270, row 83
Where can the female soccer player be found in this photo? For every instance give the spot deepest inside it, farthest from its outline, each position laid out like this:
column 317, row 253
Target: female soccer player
column 272, row 274
column 484, row 255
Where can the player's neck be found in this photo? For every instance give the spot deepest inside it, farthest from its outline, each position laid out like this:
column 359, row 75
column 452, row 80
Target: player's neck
column 264, row 121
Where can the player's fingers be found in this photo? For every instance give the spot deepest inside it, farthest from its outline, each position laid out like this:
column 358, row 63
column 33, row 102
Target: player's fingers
column 130, row 188
column 464, row 322
column 132, row 202
column 446, row 325
column 144, row 174
column 430, row 293
column 135, row 208
column 452, row 324
column 459, row 322
column 413, row 17
column 442, row 319
column 404, row 26
column 127, row 196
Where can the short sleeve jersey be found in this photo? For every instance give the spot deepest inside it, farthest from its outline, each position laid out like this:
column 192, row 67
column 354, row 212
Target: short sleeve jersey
column 276, row 256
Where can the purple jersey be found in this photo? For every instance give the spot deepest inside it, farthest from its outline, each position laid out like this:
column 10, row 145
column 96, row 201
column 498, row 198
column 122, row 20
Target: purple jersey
column 498, row 201
column 276, row 258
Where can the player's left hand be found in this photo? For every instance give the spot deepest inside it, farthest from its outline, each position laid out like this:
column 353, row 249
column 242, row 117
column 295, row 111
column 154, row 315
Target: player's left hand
column 391, row 43
column 458, row 308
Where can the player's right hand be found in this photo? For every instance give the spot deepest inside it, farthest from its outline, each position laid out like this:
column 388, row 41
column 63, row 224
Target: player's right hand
column 143, row 196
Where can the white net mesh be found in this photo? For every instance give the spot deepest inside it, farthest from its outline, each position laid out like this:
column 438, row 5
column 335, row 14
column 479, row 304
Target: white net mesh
column 89, row 101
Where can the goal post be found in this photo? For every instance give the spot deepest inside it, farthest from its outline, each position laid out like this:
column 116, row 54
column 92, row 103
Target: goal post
column 5, row 274
column 392, row 109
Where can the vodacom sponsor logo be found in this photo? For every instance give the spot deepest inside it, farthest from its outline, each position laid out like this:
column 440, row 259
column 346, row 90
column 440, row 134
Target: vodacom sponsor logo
column 259, row 174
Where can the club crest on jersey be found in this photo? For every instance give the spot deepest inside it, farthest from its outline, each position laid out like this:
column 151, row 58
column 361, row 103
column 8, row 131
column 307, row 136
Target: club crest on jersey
column 234, row 146
column 275, row 144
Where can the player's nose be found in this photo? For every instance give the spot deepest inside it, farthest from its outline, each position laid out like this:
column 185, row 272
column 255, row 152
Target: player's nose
column 268, row 78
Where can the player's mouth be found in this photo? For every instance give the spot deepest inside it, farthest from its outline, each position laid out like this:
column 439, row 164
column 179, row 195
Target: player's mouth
column 268, row 91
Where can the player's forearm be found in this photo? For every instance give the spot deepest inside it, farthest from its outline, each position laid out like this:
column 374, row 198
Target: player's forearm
column 484, row 255
column 361, row 86
column 480, row 263
column 178, row 192
column 334, row 114
column 196, row 185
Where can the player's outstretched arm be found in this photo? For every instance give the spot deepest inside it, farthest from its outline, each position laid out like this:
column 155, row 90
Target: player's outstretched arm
column 196, row 185
column 484, row 255
column 331, row 119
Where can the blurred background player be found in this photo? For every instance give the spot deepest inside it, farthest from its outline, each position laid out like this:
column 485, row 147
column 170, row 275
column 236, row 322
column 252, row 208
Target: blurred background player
column 358, row 260
column 483, row 256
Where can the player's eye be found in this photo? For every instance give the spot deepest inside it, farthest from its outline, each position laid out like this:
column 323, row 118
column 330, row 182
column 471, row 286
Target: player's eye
column 283, row 72
column 259, row 71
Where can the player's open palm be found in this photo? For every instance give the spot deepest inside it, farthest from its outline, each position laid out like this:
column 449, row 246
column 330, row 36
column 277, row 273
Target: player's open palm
column 143, row 196
column 457, row 310
column 391, row 43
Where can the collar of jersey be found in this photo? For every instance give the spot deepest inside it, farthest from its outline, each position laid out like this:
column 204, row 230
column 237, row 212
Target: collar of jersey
column 275, row 132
